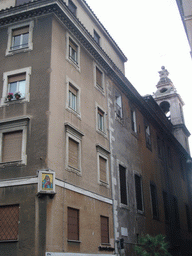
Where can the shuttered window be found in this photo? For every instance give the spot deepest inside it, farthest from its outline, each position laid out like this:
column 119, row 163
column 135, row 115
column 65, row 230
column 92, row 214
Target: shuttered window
column 99, row 75
column 104, row 230
column 12, row 146
column 123, row 184
column 9, row 222
column 103, row 169
column 73, row 224
column 73, row 154
column 138, row 190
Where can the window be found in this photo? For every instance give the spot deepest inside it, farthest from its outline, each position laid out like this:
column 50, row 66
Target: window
column 138, row 190
column 20, row 37
column 16, row 81
column 13, row 139
column 103, row 166
column 188, row 217
column 104, row 230
column 72, row 7
column 99, row 78
column 73, row 97
column 176, row 212
column 96, row 37
column 170, row 163
column 18, row 2
column 73, row 51
column 73, row 149
column 160, row 147
column 73, row 224
column 154, row 201
column 166, row 206
column 119, row 106
column 100, row 119
column 133, row 121
column 9, row 222
column 148, row 136
column 123, row 184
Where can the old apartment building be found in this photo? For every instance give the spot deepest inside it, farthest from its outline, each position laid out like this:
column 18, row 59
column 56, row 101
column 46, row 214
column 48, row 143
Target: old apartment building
column 84, row 159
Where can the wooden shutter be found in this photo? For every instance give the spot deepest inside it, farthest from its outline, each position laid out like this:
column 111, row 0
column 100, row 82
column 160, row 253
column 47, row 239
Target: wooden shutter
column 123, row 186
column 20, row 31
column 73, row 224
column 9, row 222
column 103, row 169
column 16, row 78
column 104, row 230
column 12, row 146
column 73, row 153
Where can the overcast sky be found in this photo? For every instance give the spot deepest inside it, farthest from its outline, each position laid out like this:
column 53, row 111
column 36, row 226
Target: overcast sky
column 151, row 34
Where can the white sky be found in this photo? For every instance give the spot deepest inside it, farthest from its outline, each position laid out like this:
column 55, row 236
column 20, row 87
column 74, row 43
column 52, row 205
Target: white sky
column 151, row 34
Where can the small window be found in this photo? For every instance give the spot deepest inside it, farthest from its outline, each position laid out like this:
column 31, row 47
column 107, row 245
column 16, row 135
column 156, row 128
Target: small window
column 100, row 119
column 9, row 223
column 123, row 184
column 72, row 7
column 133, row 121
column 154, row 201
column 73, row 97
column 96, row 37
column 73, row 224
column 20, row 38
column 138, row 190
column 99, row 78
column 104, row 230
column 148, row 136
column 73, row 51
column 19, row 2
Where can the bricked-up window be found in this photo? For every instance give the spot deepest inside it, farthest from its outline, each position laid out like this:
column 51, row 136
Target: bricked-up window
column 154, row 201
column 188, row 217
column 104, row 230
column 18, row 2
column 123, row 184
column 9, row 222
column 73, row 224
column 72, row 7
column 12, row 146
column 73, row 154
column 138, row 190
column 166, row 206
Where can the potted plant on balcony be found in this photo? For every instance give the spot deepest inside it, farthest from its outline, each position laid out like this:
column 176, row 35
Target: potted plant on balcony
column 10, row 96
column 17, row 95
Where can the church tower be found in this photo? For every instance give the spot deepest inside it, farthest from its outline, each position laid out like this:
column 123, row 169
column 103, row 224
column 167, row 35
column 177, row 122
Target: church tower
column 172, row 104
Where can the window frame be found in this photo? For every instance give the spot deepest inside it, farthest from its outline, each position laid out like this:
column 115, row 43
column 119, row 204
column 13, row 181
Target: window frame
column 96, row 37
column 104, row 128
column 101, row 87
column 75, row 135
column 154, row 201
column 120, row 186
column 133, row 121
column 101, row 229
column 103, row 153
column 148, row 137
column 10, row 51
column 7, row 126
column 6, row 76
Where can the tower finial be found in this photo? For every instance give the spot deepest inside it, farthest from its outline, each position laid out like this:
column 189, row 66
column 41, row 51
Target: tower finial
column 163, row 72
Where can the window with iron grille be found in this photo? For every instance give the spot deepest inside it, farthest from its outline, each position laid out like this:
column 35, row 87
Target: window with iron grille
column 9, row 222
column 73, row 224
column 104, row 230
column 123, row 184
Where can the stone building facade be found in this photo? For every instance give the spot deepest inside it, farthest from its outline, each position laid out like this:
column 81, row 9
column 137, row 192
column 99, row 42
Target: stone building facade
column 84, row 159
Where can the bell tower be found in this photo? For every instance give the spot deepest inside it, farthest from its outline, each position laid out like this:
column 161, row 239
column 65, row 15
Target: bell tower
column 172, row 104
